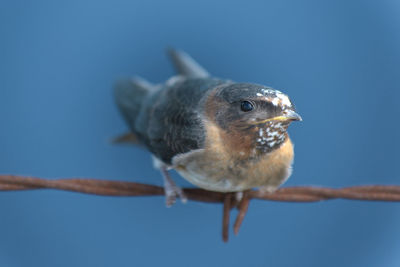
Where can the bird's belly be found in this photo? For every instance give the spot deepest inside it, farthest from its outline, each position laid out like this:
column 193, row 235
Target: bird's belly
column 220, row 172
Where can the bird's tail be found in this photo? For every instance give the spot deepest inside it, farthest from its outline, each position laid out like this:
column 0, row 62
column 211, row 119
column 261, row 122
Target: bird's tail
column 129, row 96
column 185, row 65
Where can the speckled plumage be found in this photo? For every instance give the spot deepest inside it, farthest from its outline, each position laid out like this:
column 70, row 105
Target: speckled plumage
column 194, row 124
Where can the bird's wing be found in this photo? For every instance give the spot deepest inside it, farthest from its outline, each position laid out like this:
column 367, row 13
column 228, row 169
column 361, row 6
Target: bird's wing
column 129, row 95
column 186, row 65
column 176, row 123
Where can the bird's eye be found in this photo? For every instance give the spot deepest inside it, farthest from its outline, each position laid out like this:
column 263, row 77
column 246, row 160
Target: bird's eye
column 246, row 106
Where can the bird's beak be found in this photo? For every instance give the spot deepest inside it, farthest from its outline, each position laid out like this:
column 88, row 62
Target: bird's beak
column 289, row 115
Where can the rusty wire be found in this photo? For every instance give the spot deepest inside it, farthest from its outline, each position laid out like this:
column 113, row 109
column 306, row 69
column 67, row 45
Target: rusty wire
column 287, row 194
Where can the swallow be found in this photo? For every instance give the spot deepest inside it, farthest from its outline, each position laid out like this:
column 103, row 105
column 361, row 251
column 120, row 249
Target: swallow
column 218, row 134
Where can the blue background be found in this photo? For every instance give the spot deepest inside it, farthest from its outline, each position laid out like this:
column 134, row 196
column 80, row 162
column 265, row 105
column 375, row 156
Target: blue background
column 338, row 60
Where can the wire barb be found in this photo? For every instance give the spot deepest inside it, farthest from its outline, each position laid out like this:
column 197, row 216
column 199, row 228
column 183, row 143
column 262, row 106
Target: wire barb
column 242, row 207
column 287, row 194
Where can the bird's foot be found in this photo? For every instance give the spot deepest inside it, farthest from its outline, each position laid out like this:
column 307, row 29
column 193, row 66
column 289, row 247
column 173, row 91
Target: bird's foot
column 269, row 189
column 171, row 190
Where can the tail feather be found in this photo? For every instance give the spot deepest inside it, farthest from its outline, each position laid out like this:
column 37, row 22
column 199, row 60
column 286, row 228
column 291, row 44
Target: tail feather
column 129, row 95
column 185, row 65
column 128, row 138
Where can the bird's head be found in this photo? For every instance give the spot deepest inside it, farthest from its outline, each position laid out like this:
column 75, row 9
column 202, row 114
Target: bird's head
column 253, row 115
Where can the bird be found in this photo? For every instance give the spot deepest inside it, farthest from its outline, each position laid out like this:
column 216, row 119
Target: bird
column 218, row 134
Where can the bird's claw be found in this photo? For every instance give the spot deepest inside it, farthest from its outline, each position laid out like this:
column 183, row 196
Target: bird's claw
column 171, row 193
column 171, row 190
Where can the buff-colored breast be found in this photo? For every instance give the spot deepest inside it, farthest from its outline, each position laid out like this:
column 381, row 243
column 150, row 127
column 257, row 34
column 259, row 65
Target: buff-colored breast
column 227, row 164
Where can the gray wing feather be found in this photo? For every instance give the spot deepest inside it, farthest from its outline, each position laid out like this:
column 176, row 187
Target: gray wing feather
column 129, row 95
column 185, row 65
column 174, row 122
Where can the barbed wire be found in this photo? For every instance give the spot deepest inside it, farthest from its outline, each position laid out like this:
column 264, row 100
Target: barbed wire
column 124, row 188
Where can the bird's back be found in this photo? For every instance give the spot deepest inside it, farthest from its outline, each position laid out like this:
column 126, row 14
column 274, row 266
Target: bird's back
column 171, row 121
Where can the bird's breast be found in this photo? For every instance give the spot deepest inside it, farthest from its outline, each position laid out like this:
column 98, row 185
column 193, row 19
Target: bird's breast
column 222, row 166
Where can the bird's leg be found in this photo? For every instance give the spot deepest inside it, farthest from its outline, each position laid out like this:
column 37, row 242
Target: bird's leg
column 171, row 189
